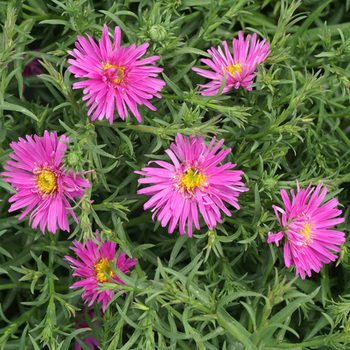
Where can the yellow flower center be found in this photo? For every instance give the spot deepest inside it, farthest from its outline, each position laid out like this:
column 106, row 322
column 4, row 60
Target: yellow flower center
column 47, row 181
column 235, row 68
column 101, row 267
column 307, row 233
column 118, row 75
column 191, row 179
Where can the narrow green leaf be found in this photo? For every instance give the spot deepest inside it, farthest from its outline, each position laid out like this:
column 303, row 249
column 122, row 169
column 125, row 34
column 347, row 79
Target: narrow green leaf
column 177, row 247
column 257, row 205
column 5, row 252
column 22, row 342
column 35, row 345
column 18, row 108
column 226, row 321
column 55, row 22
column 266, row 333
column 73, row 335
column 310, row 19
column 230, row 298
column 173, row 86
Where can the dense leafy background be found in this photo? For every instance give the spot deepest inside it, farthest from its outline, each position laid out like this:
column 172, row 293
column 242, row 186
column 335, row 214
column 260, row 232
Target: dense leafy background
column 224, row 289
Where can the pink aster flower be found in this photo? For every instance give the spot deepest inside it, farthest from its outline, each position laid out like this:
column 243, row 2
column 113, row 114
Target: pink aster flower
column 194, row 181
column 91, row 341
column 41, row 182
column 33, row 67
column 114, row 76
column 306, row 226
column 95, row 262
column 239, row 70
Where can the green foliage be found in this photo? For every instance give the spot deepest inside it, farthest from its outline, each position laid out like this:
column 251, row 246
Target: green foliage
column 222, row 289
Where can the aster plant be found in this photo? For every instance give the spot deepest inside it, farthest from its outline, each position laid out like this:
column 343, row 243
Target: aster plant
column 41, row 182
column 239, row 69
column 306, row 229
column 222, row 288
column 194, row 181
column 114, row 76
column 93, row 266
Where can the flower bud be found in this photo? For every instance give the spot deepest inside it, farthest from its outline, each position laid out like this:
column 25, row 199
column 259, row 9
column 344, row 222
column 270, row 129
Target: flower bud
column 157, row 33
column 73, row 159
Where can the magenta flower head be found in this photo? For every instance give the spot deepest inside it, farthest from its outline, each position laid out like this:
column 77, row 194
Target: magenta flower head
column 193, row 181
column 306, row 224
column 41, row 182
column 91, row 341
column 239, row 69
column 114, row 76
column 33, row 67
column 95, row 262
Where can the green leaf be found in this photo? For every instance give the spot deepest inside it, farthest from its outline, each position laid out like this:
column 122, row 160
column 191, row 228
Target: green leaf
column 6, row 186
column 173, row 86
column 5, row 252
column 35, row 345
column 73, row 335
column 310, row 19
column 231, row 325
column 176, row 249
column 230, row 298
column 267, row 332
column 18, row 108
column 55, row 22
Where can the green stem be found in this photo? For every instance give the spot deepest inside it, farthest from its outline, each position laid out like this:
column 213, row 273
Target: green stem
column 335, row 104
column 75, row 103
column 32, row 9
column 183, row 345
column 343, row 136
column 303, row 345
column 51, row 262
column 171, row 97
column 62, row 287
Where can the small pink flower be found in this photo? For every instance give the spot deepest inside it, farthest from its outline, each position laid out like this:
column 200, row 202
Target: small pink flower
column 37, row 174
column 114, row 76
column 90, row 341
column 95, row 262
column 306, row 228
column 194, row 181
column 239, row 70
column 33, row 67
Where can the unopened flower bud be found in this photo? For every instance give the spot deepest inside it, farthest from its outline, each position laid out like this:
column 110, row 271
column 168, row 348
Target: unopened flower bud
column 73, row 159
column 157, row 33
